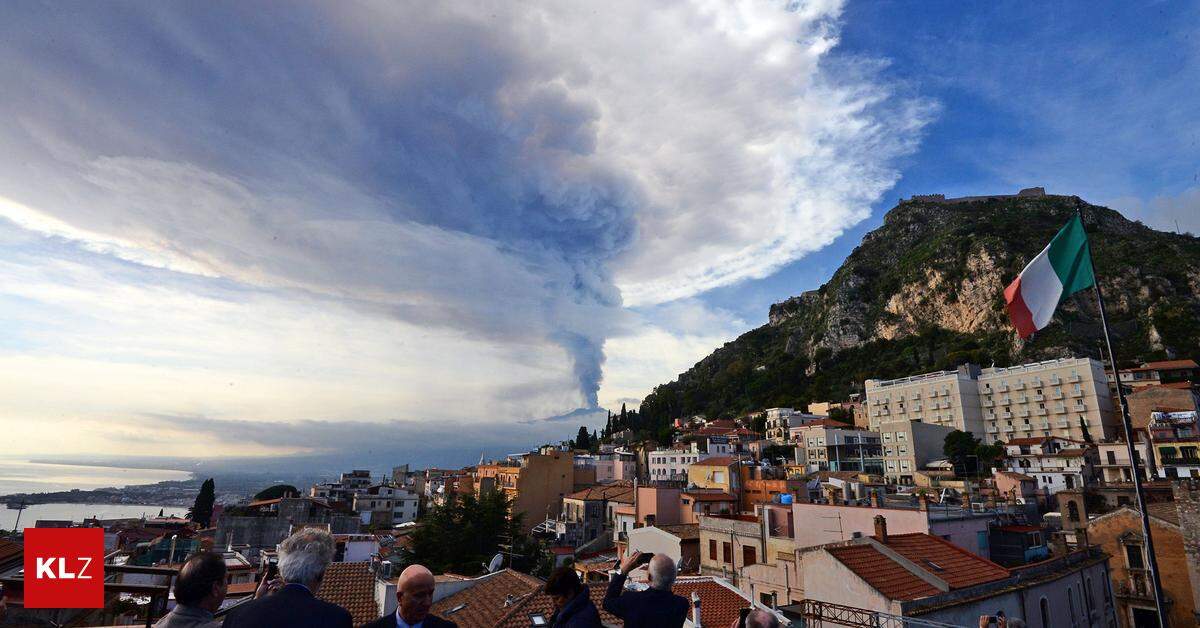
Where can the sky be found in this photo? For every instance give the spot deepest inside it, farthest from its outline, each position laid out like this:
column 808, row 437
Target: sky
column 431, row 232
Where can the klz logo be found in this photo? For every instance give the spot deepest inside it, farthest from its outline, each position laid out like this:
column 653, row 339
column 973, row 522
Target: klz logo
column 64, row 568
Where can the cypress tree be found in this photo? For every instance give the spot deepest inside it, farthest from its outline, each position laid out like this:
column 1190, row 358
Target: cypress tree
column 202, row 509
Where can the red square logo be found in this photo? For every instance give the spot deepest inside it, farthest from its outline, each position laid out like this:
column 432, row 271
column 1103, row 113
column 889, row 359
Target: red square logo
column 64, row 568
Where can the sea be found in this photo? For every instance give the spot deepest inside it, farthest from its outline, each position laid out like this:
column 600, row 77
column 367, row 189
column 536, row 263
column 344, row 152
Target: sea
column 21, row 476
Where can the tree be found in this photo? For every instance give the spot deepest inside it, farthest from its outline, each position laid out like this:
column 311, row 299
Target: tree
column 582, row 439
column 202, row 509
column 277, row 491
column 464, row 533
column 624, row 417
column 841, row 414
column 959, row 448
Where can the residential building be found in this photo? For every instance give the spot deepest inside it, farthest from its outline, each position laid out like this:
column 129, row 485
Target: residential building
column 923, row 576
column 832, row 522
column 1119, row 533
column 1113, row 466
column 1057, row 463
column 780, row 421
column 1176, row 440
column 1014, row 544
column 1067, row 397
column 385, row 505
column 536, row 483
column 767, row 486
column 681, row 542
column 1163, row 372
column 717, row 472
column 826, row 445
column 1176, row 397
column 262, row 524
column 696, row 503
column 671, row 464
column 1015, row 488
column 615, row 465
column 946, row 398
column 908, row 446
column 585, row 514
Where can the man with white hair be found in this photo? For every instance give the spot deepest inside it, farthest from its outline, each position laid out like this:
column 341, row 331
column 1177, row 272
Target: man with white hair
column 303, row 559
column 657, row 605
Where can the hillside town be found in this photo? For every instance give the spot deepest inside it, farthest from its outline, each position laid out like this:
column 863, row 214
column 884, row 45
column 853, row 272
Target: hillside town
column 932, row 499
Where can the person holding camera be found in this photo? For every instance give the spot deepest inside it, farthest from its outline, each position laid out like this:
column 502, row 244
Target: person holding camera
column 657, row 605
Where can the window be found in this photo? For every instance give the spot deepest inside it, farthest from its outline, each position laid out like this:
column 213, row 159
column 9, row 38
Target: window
column 749, row 555
column 1073, row 511
column 712, row 549
column 726, row 552
column 1133, row 557
column 1112, row 457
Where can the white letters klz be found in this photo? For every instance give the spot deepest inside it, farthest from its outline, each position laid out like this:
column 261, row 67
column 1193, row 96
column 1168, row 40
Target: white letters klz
column 45, row 568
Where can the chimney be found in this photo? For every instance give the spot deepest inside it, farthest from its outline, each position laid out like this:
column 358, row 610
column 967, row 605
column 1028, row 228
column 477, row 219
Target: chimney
column 881, row 528
column 875, row 499
column 922, row 502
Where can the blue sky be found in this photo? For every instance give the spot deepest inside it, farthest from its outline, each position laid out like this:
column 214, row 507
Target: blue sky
column 1091, row 99
column 227, row 232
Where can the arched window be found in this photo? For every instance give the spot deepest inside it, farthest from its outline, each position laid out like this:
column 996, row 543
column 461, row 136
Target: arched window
column 1045, row 613
column 1087, row 594
column 1071, row 603
column 1072, row 511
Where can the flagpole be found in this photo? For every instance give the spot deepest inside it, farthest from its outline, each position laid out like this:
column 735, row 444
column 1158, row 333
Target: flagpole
column 1151, row 561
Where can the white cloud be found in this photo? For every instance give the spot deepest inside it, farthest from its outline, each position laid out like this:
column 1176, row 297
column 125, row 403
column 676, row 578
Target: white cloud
column 440, row 208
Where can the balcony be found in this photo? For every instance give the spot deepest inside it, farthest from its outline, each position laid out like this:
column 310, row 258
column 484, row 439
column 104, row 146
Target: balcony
column 1039, row 411
column 988, row 403
column 1074, row 379
column 1062, row 423
column 1039, row 398
column 991, row 429
column 1136, row 585
column 1060, row 409
column 1002, row 387
column 1007, row 428
column 1006, row 415
column 1055, row 380
column 1044, row 425
column 1023, row 399
column 916, row 407
column 1056, row 394
column 1077, row 393
column 1019, row 386
column 1024, row 414
column 1080, row 406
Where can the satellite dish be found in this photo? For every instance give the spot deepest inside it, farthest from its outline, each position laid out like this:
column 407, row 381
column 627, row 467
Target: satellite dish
column 497, row 561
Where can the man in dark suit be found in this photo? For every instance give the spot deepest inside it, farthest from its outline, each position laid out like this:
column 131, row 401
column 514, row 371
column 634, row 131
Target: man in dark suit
column 303, row 559
column 414, row 594
column 654, row 607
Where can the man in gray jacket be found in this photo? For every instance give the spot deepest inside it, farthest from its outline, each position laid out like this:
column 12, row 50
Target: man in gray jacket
column 199, row 590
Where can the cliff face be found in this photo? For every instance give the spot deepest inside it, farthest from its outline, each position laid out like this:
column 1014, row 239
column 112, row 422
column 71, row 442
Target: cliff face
column 925, row 290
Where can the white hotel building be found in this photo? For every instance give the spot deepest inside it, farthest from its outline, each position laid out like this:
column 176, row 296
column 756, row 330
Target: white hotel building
column 1067, row 398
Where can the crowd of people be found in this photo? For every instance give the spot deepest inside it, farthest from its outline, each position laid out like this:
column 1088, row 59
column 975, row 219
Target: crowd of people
column 289, row 600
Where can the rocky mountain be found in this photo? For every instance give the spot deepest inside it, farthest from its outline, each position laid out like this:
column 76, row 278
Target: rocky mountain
column 925, row 291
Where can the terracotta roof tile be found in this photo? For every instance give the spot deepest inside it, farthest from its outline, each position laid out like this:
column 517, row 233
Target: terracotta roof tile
column 1167, row 364
column 956, row 566
column 1165, row 511
column 483, row 603
column 351, row 586
column 683, row 531
column 11, row 551
column 603, row 492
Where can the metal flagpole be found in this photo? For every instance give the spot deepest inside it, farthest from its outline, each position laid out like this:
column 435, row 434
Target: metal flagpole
column 1151, row 561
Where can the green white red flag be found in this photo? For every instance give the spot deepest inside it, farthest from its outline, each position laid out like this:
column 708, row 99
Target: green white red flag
column 1063, row 268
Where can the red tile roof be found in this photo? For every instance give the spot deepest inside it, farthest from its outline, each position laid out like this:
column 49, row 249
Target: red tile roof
column 10, row 552
column 484, row 603
column 603, row 492
column 351, row 586
column 942, row 559
column 1167, row 364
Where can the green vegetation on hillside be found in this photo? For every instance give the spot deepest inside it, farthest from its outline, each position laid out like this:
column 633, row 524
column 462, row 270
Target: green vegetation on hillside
column 822, row 345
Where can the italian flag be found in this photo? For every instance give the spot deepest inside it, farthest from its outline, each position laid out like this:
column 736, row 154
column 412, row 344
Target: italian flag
column 1063, row 268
